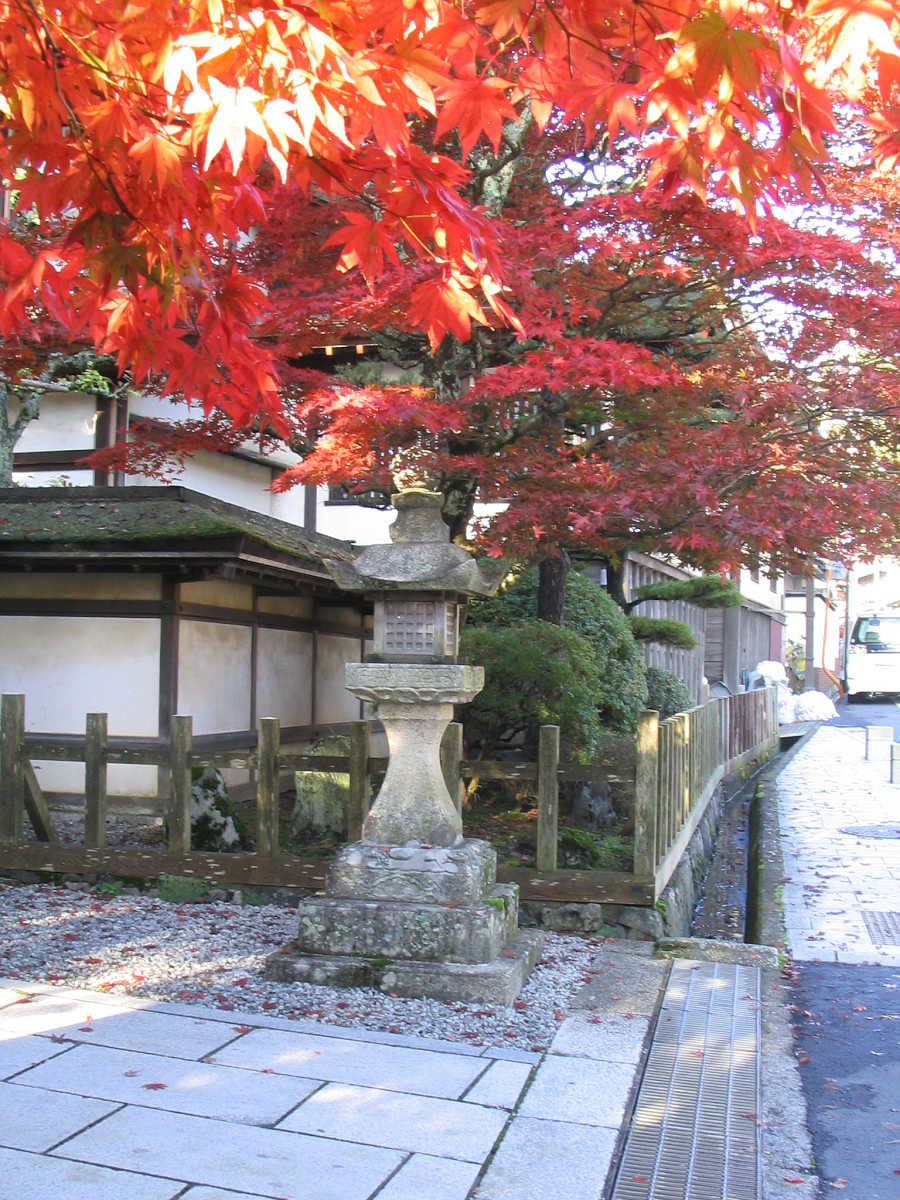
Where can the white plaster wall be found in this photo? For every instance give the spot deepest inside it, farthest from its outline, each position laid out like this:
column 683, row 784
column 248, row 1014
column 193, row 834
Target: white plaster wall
column 353, row 522
column 286, row 606
column 217, row 593
column 243, row 481
column 284, row 676
column 761, row 591
column 214, row 675
column 371, row 526
column 70, row 666
column 54, row 478
column 333, row 701
column 65, row 422
column 49, row 585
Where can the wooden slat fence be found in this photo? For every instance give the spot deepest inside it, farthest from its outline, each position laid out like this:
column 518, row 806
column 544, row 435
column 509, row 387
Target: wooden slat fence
column 678, row 763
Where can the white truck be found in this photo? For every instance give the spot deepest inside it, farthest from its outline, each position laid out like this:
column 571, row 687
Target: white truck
column 873, row 657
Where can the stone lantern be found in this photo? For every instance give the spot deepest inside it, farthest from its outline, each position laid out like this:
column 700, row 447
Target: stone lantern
column 414, row 908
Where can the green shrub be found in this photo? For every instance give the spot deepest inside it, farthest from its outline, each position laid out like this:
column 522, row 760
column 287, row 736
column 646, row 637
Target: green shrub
column 535, row 674
column 590, row 612
column 664, row 630
column 181, row 889
column 666, row 693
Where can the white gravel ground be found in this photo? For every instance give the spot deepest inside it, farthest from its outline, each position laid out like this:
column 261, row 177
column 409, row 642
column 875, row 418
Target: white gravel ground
column 214, row 953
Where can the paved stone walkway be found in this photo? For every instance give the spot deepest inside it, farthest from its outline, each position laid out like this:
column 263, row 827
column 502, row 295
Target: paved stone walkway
column 839, row 818
column 103, row 1098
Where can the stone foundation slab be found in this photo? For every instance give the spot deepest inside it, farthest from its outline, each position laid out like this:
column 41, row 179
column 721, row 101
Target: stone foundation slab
column 496, row 982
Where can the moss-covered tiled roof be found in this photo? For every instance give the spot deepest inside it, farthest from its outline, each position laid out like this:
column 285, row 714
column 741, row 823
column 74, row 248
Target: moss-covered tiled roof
column 97, row 516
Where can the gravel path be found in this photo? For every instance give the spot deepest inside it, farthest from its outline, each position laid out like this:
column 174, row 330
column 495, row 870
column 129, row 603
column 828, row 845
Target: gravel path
column 213, row 954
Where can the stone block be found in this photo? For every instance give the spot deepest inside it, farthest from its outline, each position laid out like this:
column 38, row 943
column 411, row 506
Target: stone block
column 566, row 917
column 407, row 930
column 642, row 922
column 460, row 874
column 322, row 797
column 495, row 982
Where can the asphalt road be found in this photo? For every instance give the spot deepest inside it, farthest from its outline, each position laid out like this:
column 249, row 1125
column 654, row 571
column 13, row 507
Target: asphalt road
column 847, row 1038
column 881, row 710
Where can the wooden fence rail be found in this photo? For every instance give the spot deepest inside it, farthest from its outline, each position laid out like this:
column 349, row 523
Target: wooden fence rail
column 679, row 761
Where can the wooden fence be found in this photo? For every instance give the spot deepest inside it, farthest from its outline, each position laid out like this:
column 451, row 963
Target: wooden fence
column 678, row 764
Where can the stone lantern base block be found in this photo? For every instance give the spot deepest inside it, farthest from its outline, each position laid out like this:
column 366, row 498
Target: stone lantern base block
column 407, row 930
column 460, row 874
column 496, row 982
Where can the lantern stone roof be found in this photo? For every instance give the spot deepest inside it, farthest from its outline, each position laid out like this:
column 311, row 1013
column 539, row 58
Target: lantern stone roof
column 420, row 557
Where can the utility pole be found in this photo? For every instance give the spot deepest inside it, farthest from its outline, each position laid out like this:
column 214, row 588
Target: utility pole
column 809, row 665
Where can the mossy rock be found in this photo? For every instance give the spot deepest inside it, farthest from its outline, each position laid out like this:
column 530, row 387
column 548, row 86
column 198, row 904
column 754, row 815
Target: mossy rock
column 322, row 797
column 215, row 826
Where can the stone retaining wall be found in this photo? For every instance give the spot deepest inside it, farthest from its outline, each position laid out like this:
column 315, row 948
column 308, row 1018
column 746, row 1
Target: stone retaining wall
column 672, row 914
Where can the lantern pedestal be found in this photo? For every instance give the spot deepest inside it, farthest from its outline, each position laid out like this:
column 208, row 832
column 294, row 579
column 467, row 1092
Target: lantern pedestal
column 415, row 705
column 413, row 909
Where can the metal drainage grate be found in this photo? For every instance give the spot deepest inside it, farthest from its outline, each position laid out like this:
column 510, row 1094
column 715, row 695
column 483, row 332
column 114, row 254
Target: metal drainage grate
column 695, row 1130
column 883, row 928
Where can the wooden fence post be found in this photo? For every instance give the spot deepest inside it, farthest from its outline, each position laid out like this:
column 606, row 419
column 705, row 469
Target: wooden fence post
column 684, row 768
column 360, row 736
column 95, row 746
column 646, row 789
column 267, row 791
column 180, row 747
column 12, row 769
column 451, row 757
column 548, row 798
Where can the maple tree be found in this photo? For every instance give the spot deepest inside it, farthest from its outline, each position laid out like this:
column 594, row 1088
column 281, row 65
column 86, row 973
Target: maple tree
column 138, row 137
column 210, row 193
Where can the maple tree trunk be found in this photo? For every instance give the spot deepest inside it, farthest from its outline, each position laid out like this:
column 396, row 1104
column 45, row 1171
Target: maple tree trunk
column 11, row 430
column 615, row 585
column 552, row 575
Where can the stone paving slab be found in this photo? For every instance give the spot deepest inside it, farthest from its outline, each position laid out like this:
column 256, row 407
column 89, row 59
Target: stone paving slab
column 425, row 1124
column 214, row 1193
column 48, row 1013
column 148, row 1031
column 501, row 1085
column 98, row 1002
column 539, row 1159
column 156, row 1081
column 268, row 1162
column 42, row 1119
column 579, row 1090
column 424, row 1178
column 612, row 1038
column 20, row 1053
column 38, row 1177
column 394, row 1068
